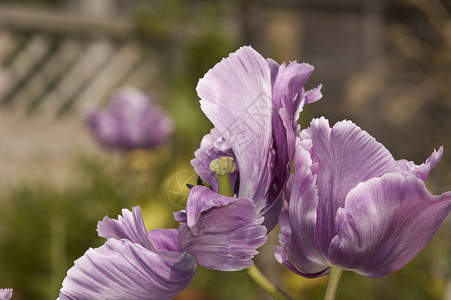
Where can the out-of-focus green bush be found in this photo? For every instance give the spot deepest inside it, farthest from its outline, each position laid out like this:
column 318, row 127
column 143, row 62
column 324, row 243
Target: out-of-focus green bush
column 44, row 229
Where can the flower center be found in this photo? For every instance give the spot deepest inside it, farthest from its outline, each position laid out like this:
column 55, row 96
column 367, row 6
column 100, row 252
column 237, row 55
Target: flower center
column 223, row 167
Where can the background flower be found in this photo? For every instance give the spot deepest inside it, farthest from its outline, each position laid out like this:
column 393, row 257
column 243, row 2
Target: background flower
column 131, row 121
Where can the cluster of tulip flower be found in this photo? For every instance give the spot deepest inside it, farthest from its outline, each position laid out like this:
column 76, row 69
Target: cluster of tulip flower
column 348, row 204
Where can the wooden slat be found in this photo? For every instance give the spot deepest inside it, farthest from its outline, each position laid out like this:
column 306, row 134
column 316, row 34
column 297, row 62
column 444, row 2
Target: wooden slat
column 53, row 62
column 63, row 22
column 23, row 65
column 7, row 45
column 93, row 58
column 59, row 63
column 109, row 78
column 144, row 73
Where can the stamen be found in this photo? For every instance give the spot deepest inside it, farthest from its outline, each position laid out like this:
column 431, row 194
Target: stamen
column 223, row 165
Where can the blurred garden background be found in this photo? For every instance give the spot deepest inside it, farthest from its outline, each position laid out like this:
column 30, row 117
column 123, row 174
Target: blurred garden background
column 386, row 65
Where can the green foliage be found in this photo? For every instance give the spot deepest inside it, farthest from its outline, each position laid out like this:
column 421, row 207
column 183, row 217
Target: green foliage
column 44, row 229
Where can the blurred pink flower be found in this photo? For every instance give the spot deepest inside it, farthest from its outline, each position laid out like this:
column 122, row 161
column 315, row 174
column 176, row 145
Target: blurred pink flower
column 131, row 121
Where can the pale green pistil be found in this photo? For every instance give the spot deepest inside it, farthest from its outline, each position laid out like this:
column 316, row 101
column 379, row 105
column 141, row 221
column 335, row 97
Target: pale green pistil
column 222, row 167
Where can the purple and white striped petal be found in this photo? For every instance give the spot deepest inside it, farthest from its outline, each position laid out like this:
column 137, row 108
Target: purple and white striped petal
column 121, row 269
column 347, row 155
column 131, row 226
column 222, row 233
column 236, row 97
column 288, row 98
column 299, row 252
column 351, row 205
column 421, row 171
column 313, row 95
column 128, row 226
column 385, row 222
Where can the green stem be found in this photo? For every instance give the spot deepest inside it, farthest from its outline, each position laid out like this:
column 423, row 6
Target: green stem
column 332, row 285
column 223, row 167
column 225, row 185
column 267, row 285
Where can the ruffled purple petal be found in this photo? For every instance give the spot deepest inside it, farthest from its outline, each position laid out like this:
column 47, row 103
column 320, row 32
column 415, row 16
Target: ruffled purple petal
column 128, row 226
column 236, row 97
column 222, row 233
column 6, row 294
column 285, row 258
column 299, row 252
column 288, row 98
column 164, row 239
column 386, row 221
column 121, row 269
column 272, row 209
column 131, row 226
column 421, row 171
column 313, row 95
column 347, row 155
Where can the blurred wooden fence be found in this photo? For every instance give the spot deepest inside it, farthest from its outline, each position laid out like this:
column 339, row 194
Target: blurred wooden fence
column 55, row 62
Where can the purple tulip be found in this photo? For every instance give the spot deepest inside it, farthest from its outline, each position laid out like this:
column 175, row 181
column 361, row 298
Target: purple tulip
column 131, row 121
column 6, row 294
column 132, row 264
column 350, row 204
column 254, row 104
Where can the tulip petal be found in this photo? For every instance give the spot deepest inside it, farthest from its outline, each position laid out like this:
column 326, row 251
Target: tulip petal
column 313, row 95
column 222, row 233
column 164, row 239
column 297, row 224
column 421, row 171
column 128, row 226
column 131, row 226
column 386, row 221
column 236, row 97
column 121, row 269
column 290, row 255
column 347, row 155
column 288, row 98
column 6, row 294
